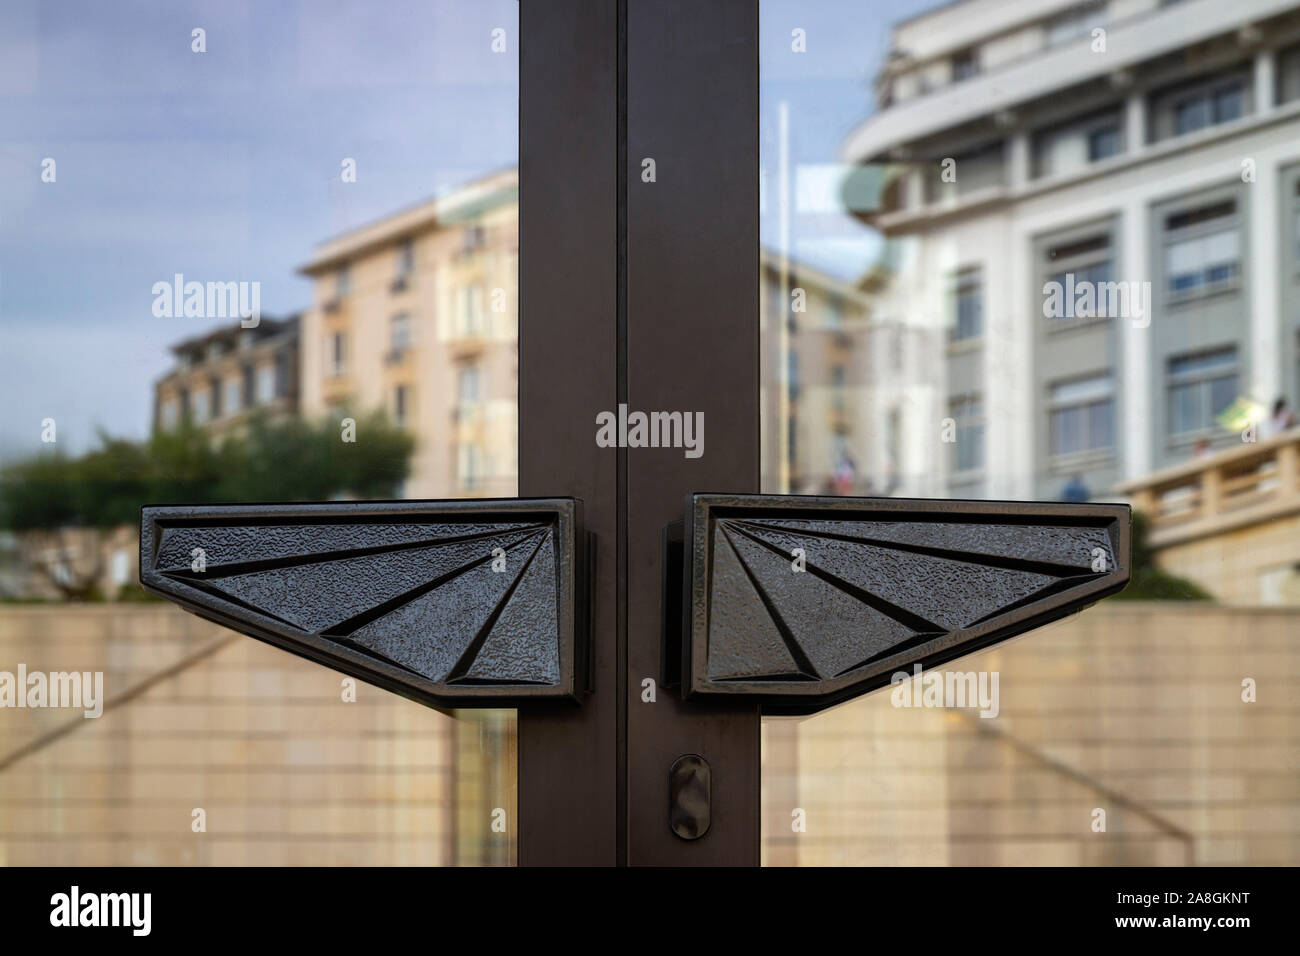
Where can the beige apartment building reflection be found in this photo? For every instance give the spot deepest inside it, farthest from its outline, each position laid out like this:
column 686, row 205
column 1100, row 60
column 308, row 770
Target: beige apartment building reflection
column 417, row 314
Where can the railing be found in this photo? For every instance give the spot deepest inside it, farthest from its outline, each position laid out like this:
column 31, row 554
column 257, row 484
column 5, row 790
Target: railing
column 1257, row 482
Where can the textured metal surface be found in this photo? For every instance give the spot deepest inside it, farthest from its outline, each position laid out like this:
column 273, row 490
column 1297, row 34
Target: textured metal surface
column 884, row 584
column 452, row 603
column 690, row 796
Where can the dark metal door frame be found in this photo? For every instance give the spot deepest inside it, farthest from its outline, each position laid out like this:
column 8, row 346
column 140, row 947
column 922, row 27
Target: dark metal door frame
column 644, row 294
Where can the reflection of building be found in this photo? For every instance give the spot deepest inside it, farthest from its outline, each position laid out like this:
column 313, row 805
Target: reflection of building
column 842, row 381
column 1230, row 522
column 416, row 314
column 223, row 375
column 1098, row 147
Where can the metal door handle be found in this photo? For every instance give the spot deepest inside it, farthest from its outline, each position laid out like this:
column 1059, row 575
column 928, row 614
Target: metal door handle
column 802, row 602
column 798, row 602
column 451, row 603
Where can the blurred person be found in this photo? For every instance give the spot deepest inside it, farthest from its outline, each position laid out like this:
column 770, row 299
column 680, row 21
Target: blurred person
column 1075, row 490
column 1283, row 418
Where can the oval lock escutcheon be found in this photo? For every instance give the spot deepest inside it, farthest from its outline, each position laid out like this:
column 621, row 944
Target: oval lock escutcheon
column 690, row 789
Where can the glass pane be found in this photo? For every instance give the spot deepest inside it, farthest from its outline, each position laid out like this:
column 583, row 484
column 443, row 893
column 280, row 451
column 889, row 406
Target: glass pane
column 1046, row 153
column 257, row 252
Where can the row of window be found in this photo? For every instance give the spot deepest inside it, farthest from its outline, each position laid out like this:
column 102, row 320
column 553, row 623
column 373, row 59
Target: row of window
column 1199, row 388
column 1201, row 255
column 1058, row 30
column 473, row 239
column 223, row 399
column 469, row 391
column 1101, row 134
column 470, row 466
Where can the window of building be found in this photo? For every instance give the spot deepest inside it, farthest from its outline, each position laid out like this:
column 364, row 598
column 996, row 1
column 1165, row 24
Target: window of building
column 401, row 405
column 1288, row 75
column 792, row 374
column 968, row 305
column 468, row 384
column 1073, row 24
column 967, row 412
column 214, row 389
column 405, row 258
column 265, row 384
column 400, row 333
column 170, row 414
column 250, row 386
column 473, row 239
column 1076, row 143
column 470, row 465
column 469, row 308
column 284, row 370
column 1081, row 415
column 1202, row 249
column 1209, row 106
column 234, row 395
column 974, row 170
column 834, row 312
column 342, row 282
column 1200, row 387
column 965, row 65
column 201, row 406
column 1103, row 142
column 1075, row 264
column 338, row 354
column 1295, row 221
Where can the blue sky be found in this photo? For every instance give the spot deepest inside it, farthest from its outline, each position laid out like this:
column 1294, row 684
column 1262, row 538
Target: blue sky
column 225, row 165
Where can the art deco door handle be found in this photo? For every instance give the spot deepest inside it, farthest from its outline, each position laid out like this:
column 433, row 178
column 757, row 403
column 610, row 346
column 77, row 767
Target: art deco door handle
column 798, row 603
column 450, row 603
column 801, row 603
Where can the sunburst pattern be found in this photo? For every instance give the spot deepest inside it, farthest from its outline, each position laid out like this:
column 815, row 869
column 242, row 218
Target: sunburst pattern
column 433, row 599
column 797, row 598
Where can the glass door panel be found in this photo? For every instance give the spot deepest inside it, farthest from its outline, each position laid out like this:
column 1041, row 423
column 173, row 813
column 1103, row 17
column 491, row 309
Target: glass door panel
column 248, row 252
column 1015, row 251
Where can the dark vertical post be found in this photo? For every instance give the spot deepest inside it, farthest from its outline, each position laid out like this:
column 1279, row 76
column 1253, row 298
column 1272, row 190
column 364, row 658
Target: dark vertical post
column 692, row 346
column 570, row 808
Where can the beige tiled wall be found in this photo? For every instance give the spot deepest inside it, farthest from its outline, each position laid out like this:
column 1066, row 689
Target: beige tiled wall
column 287, row 772
column 1135, row 709
column 1229, row 564
column 1132, row 708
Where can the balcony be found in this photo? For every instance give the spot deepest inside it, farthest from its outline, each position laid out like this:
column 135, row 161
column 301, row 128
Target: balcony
column 1258, row 482
column 1131, row 42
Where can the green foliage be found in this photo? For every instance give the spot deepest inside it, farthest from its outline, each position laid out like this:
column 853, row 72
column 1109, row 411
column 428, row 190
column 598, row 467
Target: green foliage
column 1149, row 582
column 135, row 593
column 281, row 459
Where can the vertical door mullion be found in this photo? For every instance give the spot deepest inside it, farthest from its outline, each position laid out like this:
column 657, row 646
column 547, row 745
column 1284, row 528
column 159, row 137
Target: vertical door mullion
column 570, row 810
column 692, row 346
